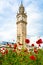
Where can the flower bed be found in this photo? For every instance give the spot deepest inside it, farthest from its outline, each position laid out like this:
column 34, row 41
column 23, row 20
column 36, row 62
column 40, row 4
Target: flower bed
column 24, row 57
column 13, row 55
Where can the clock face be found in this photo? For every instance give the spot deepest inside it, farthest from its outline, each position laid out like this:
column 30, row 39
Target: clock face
column 24, row 19
column 21, row 18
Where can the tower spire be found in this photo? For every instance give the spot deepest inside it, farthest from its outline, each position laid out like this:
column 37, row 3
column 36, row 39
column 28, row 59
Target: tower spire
column 21, row 8
column 21, row 2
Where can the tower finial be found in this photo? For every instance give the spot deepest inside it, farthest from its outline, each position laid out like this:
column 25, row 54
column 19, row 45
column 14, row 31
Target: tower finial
column 21, row 8
column 21, row 2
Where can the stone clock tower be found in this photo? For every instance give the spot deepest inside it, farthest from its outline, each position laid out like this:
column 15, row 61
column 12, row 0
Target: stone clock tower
column 21, row 25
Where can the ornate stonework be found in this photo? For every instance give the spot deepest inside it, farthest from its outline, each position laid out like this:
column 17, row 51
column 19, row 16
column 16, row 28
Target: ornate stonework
column 21, row 25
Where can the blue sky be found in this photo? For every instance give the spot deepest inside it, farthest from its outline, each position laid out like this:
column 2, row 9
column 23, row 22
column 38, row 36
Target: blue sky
column 8, row 11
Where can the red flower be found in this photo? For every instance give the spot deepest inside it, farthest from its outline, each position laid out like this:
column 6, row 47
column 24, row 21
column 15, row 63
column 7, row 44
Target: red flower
column 3, row 53
column 25, row 50
column 36, row 51
column 27, row 41
column 32, row 45
column 2, row 48
column 14, row 50
column 39, row 45
column 32, row 57
column 6, row 51
column 15, row 45
column 39, row 41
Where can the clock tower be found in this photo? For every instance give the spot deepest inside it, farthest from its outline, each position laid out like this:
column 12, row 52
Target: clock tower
column 21, row 25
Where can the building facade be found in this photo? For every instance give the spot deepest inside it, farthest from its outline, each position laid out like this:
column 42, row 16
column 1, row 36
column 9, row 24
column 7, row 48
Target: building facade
column 21, row 25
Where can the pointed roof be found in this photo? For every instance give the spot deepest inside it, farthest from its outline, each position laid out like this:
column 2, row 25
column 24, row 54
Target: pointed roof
column 21, row 8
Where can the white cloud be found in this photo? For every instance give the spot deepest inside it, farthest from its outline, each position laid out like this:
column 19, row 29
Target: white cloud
column 8, row 32
column 9, row 8
column 34, row 19
column 2, row 5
